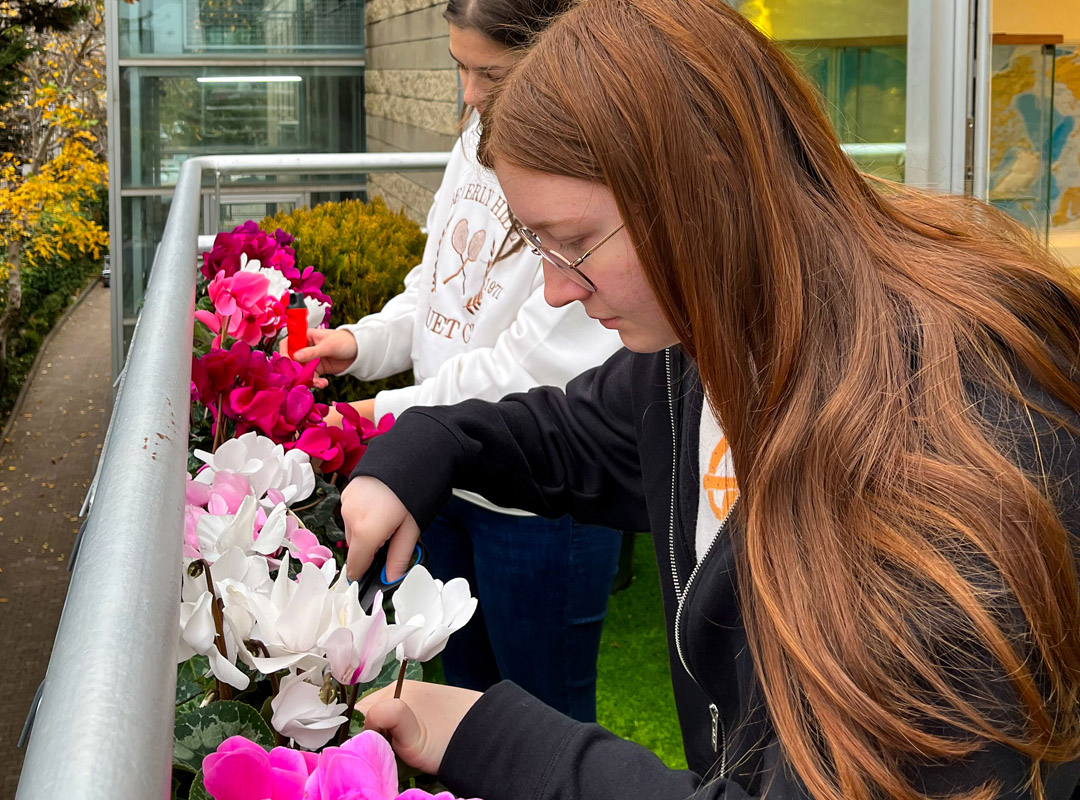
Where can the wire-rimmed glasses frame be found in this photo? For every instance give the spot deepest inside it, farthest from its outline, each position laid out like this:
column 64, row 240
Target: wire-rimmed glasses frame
column 559, row 261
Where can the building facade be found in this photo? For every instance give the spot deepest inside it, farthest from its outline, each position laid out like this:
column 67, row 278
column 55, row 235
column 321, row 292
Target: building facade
column 214, row 77
column 944, row 95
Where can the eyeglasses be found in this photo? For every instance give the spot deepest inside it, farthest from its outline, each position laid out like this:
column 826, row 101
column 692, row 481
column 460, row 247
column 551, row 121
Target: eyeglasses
column 559, row 261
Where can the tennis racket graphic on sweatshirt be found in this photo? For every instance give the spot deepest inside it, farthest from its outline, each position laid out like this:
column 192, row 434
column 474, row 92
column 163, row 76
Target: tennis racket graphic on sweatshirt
column 468, row 248
column 472, row 305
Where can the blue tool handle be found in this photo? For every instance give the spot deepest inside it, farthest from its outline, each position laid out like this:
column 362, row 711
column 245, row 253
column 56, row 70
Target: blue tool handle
column 420, row 556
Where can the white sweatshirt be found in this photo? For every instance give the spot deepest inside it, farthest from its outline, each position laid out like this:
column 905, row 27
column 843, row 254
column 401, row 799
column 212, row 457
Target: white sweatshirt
column 468, row 326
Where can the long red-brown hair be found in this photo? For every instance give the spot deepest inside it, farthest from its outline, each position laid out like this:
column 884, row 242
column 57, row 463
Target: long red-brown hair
column 896, row 559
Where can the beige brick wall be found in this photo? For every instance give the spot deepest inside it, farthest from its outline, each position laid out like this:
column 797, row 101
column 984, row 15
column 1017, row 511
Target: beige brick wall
column 411, row 91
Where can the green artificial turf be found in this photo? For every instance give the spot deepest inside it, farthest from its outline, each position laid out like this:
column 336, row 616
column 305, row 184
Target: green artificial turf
column 633, row 693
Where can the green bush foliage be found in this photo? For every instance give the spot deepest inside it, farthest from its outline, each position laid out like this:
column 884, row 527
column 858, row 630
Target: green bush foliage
column 364, row 250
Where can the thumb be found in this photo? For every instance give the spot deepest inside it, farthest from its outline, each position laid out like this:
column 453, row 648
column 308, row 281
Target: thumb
column 395, row 718
column 402, row 545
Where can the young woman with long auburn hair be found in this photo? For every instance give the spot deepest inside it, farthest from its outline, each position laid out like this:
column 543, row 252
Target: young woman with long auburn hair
column 851, row 419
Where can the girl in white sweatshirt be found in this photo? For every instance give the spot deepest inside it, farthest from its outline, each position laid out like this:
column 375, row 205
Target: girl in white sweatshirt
column 473, row 323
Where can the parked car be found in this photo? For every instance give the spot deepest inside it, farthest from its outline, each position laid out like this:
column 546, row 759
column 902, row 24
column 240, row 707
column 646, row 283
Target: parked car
column 106, row 273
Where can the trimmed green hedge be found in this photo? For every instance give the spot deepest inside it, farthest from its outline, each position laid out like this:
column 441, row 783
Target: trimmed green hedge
column 365, row 251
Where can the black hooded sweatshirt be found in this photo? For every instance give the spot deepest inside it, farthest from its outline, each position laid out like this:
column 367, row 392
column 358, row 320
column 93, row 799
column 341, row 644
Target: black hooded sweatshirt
column 619, row 448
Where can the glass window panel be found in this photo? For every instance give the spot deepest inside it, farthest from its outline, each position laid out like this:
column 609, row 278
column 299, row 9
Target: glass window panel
column 855, row 52
column 170, row 114
column 235, row 213
column 178, row 28
column 144, row 223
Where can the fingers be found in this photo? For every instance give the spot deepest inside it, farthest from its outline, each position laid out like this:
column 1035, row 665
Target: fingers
column 306, row 354
column 372, row 514
column 315, row 345
column 402, row 545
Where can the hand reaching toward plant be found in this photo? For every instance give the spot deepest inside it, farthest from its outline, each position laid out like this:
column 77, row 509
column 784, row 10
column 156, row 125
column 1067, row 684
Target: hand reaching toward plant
column 365, row 408
column 335, row 349
column 421, row 722
column 373, row 514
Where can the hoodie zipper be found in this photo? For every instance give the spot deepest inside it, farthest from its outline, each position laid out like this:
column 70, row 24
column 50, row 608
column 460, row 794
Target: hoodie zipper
column 719, row 730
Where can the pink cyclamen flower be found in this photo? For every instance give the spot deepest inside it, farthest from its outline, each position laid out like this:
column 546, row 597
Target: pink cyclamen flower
column 243, row 291
column 363, row 767
column 241, row 770
column 191, row 531
column 305, row 545
column 223, row 495
column 244, row 307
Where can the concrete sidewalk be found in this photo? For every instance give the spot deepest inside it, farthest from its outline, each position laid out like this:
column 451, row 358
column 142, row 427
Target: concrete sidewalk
column 46, row 465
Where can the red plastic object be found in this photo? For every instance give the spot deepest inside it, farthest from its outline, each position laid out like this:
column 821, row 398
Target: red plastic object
column 296, row 325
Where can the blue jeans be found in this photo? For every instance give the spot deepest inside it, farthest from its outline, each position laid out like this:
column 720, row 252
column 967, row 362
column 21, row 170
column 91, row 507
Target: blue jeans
column 543, row 587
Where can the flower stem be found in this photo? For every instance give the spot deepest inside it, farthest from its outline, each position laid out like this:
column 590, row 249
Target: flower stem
column 224, row 690
column 400, row 678
column 220, row 429
column 350, row 701
column 312, row 504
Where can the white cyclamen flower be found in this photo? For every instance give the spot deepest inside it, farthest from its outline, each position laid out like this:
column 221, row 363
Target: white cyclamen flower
column 218, row 533
column 263, row 462
column 279, row 284
column 357, row 644
column 301, row 715
column 316, row 311
column 234, row 576
column 293, row 617
column 436, row 610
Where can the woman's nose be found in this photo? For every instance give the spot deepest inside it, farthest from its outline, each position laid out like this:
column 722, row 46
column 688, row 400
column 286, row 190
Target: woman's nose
column 559, row 290
column 469, row 93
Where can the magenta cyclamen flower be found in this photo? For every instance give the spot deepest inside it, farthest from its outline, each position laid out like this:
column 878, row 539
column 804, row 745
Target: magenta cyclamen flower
column 339, row 449
column 241, row 770
column 273, row 396
column 246, row 239
column 309, row 282
column 362, row 767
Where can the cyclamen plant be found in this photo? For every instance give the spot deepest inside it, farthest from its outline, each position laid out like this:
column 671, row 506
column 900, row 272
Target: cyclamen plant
column 273, row 642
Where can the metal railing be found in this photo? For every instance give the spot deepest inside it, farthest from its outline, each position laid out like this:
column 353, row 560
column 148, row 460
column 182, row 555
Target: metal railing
column 103, row 728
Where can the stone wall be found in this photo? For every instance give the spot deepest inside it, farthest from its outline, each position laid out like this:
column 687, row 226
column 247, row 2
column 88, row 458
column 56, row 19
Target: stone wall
column 411, row 90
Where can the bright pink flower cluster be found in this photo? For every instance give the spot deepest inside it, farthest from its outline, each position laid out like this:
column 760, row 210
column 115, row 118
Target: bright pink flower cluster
column 270, row 251
column 361, row 769
column 339, row 449
column 248, row 239
column 272, row 394
column 243, row 308
column 267, row 393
